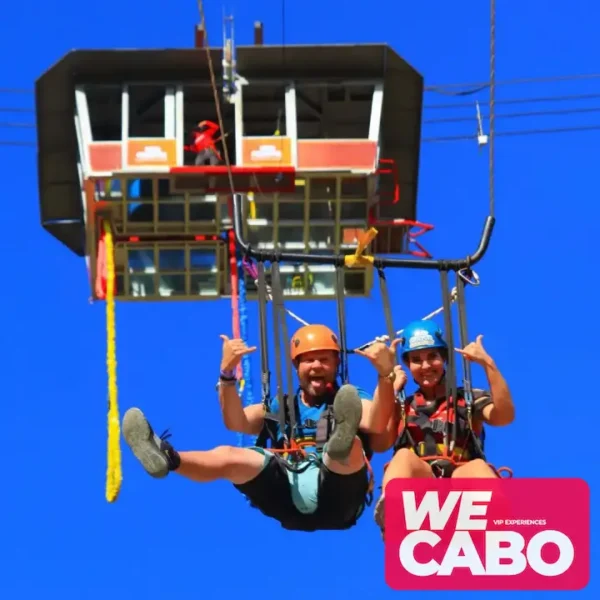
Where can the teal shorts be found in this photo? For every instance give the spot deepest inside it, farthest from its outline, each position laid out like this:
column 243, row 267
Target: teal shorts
column 304, row 485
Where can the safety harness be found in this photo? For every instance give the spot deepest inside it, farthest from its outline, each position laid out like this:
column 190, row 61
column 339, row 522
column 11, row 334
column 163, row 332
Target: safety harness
column 281, row 432
column 430, row 419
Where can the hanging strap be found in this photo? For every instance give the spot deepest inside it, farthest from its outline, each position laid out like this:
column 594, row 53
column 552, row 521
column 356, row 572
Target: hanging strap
column 280, row 331
column 389, row 322
column 450, row 435
column 341, row 314
column 461, row 280
column 281, row 399
column 265, row 374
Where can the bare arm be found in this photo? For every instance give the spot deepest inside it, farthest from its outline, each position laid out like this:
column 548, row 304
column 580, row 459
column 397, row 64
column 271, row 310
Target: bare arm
column 382, row 442
column 236, row 418
column 502, row 410
column 382, row 407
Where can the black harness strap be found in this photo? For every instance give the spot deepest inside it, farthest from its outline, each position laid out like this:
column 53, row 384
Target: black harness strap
column 450, row 436
column 267, row 432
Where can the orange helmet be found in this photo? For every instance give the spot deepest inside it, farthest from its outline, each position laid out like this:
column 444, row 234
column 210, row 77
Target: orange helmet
column 313, row 337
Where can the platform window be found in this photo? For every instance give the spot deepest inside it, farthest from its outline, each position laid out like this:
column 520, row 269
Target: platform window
column 354, row 283
column 261, row 235
column 108, row 189
column 309, row 110
column 204, row 284
column 354, row 188
column 141, row 285
column 171, row 259
column 172, row 284
column 354, row 211
column 322, row 278
column 140, row 206
column 344, row 100
column 298, row 194
column 323, row 188
column 171, row 207
column 322, row 236
column 104, row 108
column 264, row 109
column 201, row 210
column 291, row 237
column 203, row 259
column 291, row 211
column 120, row 289
column 147, row 110
column 293, row 280
column 141, row 260
column 263, row 210
column 322, row 211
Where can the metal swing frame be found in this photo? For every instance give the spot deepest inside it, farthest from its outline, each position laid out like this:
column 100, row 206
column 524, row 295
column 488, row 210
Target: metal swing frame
column 464, row 276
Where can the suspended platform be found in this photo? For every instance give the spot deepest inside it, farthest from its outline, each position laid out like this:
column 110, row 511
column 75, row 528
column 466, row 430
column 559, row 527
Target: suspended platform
column 214, row 180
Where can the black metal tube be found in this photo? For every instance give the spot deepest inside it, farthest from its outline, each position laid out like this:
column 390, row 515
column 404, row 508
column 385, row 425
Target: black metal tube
column 450, row 434
column 341, row 314
column 387, row 306
column 265, row 373
column 332, row 259
column 464, row 338
column 279, row 308
column 277, row 348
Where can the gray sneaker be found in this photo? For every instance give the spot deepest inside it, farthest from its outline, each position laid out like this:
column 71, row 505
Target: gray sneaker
column 157, row 455
column 347, row 411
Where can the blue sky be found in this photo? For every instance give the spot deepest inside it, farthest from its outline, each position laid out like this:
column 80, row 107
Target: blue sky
column 175, row 539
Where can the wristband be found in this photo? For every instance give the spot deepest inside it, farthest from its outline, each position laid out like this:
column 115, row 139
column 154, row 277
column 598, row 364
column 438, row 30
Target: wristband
column 227, row 375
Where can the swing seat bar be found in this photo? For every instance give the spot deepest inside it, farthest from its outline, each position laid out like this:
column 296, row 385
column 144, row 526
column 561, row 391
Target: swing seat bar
column 339, row 259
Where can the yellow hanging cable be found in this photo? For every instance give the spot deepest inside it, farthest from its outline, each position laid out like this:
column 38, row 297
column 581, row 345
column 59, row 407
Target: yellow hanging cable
column 114, row 475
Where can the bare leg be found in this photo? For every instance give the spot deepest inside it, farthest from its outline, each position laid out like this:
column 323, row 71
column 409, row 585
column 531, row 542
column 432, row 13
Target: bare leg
column 158, row 457
column 404, row 465
column 477, row 469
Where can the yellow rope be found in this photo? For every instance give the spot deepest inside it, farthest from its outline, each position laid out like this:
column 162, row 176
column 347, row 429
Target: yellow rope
column 114, row 475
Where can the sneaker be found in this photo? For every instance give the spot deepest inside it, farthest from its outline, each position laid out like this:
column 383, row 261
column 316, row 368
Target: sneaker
column 347, row 411
column 157, row 455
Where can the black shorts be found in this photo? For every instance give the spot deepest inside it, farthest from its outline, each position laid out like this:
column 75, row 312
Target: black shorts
column 341, row 498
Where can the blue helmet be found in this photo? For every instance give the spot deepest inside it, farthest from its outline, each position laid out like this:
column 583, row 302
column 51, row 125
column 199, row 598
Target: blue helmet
column 421, row 335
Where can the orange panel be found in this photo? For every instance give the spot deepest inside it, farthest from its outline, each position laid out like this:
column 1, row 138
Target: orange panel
column 267, row 151
column 336, row 155
column 151, row 152
column 105, row 157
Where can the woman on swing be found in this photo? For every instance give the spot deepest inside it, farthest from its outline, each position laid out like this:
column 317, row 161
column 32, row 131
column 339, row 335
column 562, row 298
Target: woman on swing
column 416, row 429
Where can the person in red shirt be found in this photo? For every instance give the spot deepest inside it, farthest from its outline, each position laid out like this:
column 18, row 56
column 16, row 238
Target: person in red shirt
column 204, row 143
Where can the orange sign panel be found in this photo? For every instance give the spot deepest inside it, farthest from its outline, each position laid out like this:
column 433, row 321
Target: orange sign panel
column 267, row 151
column 336, row 155
column 105, row 157
column 152, row 152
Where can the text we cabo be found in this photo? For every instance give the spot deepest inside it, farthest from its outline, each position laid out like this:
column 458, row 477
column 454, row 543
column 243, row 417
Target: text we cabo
column 475, row 534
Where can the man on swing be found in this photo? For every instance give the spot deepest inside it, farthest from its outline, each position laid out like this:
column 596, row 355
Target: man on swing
column 330, row 484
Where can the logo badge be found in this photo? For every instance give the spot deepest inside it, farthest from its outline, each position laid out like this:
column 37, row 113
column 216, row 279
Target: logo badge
column 487, row 534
